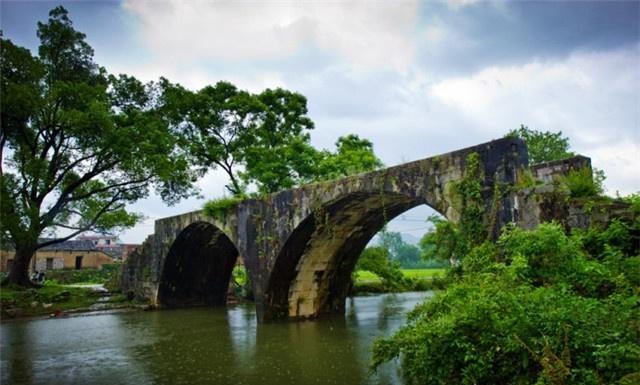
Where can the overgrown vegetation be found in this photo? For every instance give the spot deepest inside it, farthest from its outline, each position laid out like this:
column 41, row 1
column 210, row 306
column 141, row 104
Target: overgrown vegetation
column 219, row 208
column 449, row 242
column 584, row 182
column 536, row 307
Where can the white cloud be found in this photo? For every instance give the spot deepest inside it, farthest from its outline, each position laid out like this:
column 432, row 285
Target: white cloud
column 457, row 4
column 354, row 62
column 365, row 34
column 592, row 97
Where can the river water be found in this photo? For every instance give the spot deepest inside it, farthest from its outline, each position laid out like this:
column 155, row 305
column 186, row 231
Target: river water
column 204, row 346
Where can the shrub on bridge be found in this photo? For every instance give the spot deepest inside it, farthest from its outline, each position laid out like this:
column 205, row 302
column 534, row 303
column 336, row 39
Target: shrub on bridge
column 535, row 308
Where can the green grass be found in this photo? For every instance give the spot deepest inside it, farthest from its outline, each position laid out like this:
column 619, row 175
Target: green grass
column 44, row 300
column 367, row 276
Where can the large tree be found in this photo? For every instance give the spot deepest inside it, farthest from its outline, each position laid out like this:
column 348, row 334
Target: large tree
column 78, row 145
column 259, row 139
column 279, row 155
column 217, row 121
column 254, row 138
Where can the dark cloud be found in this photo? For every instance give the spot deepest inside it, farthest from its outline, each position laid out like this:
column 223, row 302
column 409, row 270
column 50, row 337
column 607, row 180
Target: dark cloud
column 503, row 33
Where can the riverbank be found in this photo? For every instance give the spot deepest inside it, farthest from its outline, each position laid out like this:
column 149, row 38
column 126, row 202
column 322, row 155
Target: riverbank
column 56, row 300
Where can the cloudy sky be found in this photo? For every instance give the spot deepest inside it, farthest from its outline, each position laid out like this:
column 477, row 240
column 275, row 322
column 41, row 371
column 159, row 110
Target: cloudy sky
column 417, row 78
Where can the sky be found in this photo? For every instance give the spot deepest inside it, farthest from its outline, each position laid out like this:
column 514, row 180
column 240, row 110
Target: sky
column 417, row 78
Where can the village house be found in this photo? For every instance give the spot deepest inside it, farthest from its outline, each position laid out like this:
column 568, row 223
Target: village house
column 110, row 245
column 76, row 254
column 107, row 243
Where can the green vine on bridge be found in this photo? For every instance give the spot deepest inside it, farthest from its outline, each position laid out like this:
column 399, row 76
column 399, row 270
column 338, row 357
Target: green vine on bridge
column 469, row 189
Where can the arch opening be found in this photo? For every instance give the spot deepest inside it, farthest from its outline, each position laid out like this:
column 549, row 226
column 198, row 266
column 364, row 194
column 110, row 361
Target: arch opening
column 197, row 269
column 312, row 274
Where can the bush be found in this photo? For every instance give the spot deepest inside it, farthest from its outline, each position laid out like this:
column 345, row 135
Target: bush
column 375, row 259
column 534, row 308
column 584, row 182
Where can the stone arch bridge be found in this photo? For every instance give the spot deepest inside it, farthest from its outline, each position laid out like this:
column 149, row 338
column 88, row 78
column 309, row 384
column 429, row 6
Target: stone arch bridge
column 300, row 246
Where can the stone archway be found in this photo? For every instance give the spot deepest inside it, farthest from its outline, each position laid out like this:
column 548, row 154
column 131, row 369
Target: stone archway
column 198, row 267
column 312, row 273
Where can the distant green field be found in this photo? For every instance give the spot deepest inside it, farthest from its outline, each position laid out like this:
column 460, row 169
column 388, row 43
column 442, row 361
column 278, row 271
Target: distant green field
column 364, row 275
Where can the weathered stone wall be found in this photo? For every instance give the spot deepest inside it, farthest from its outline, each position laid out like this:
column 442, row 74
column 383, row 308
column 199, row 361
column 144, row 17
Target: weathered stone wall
column 548, row 203
column 299, row 246
column 140, row 273
column 549, row 172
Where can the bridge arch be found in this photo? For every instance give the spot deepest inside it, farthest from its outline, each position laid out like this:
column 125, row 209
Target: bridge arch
column 197, row 268
column 312, row 273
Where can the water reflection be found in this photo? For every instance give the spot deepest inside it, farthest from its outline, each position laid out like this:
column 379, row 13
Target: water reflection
column 203, row 346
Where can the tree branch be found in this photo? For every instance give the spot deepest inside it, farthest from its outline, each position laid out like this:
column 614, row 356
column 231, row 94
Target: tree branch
column 82, row 229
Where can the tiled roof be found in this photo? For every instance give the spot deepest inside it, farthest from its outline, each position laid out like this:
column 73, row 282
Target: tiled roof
column 79, row 245
column 84, row 245
column 97, row 237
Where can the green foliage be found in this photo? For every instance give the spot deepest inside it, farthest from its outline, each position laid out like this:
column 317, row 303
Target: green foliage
column 526, row 180
column 472, row 230
column 260, row 139
column 634, row 201
column 584, row 183
column 451, row 242
column 376, row 260
column 407, row 255
column 241, row 285
column 385, row 260
column 443, row 242
column 543, row 146
column 82, row 144
column 353, row 156
column 219, row 208
column 536, row 307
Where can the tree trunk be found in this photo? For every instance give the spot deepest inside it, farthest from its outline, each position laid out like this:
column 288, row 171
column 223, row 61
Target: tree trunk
column 19, row 273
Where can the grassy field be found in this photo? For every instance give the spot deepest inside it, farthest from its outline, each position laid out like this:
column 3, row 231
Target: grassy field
column 367, row 276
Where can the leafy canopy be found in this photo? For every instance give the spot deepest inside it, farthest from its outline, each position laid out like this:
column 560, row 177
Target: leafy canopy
column 259, row 139
column 78, row 145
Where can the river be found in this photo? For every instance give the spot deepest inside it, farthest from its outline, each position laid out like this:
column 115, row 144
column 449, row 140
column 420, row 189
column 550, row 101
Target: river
column 204, row 346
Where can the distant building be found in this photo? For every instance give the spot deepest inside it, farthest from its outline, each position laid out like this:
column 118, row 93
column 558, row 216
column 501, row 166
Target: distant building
column 77, row 254
column 107, row 243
